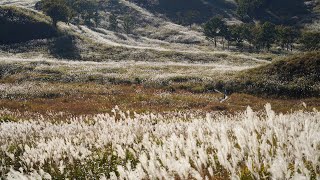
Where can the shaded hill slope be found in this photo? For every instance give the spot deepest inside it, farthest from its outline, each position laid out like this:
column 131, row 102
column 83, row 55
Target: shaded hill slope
column 295, row 76
column 176, row 9
column 20, row 25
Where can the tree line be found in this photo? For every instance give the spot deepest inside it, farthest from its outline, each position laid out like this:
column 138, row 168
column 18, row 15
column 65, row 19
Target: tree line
column 83, row 12
column 259, row 36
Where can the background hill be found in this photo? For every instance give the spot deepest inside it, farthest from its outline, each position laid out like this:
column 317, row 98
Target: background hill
column 191, row 11
column 199, row 11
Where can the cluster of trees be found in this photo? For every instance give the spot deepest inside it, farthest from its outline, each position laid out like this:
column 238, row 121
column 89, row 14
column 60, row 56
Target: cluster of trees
column 83, row 11
column 260, row 36
column 86, row 11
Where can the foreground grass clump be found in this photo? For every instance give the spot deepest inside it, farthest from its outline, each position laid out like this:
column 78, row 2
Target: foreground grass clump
column 164, row 146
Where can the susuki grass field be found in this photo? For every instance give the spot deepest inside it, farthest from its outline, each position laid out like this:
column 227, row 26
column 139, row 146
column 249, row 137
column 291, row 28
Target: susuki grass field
column 160, row 103
column 175, row 145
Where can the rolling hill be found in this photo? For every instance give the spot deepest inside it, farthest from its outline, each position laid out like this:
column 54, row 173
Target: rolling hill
column 21, row 24
column 294, row 76
column 157, row 39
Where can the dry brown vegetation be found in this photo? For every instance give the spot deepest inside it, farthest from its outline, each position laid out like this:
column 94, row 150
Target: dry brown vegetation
column 89, row 98
column 82, row 88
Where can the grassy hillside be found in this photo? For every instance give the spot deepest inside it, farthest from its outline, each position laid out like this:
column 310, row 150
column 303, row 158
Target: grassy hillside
column 296, row 76
column 20, row 25
column 178, row 9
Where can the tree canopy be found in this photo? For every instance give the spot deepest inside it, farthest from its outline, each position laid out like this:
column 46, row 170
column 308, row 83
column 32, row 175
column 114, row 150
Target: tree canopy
column 77, row 10
column 213, row 28
column 260, row 36
column 58, row 10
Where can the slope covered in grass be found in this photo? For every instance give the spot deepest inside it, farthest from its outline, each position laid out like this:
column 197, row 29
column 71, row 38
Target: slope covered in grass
column 24, row 3
column 20, row 24
column 295, row 76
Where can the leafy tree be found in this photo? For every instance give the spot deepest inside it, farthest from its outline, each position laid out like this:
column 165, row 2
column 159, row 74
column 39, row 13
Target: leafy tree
column 128, row 24
column 237, row 34
column 56, row 9
column 113, row 22
column 286, row 36
column 213, row 29
column 310, row 40
column 267, row 34
column 251, row 35
column 254, row 35
column 224, row 33
column 228, row 35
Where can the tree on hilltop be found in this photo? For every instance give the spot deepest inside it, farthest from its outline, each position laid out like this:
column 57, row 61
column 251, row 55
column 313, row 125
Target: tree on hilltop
column 57, row 10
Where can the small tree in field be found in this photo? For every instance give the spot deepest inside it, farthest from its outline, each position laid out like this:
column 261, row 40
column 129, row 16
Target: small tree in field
column 57, row 10
column 213, row 29
column 269, row 34
column 236, row 33
column 224, row 33
column 286, row 36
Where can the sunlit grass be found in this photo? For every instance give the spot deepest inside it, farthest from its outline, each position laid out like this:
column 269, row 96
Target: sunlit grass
column 169, row 145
